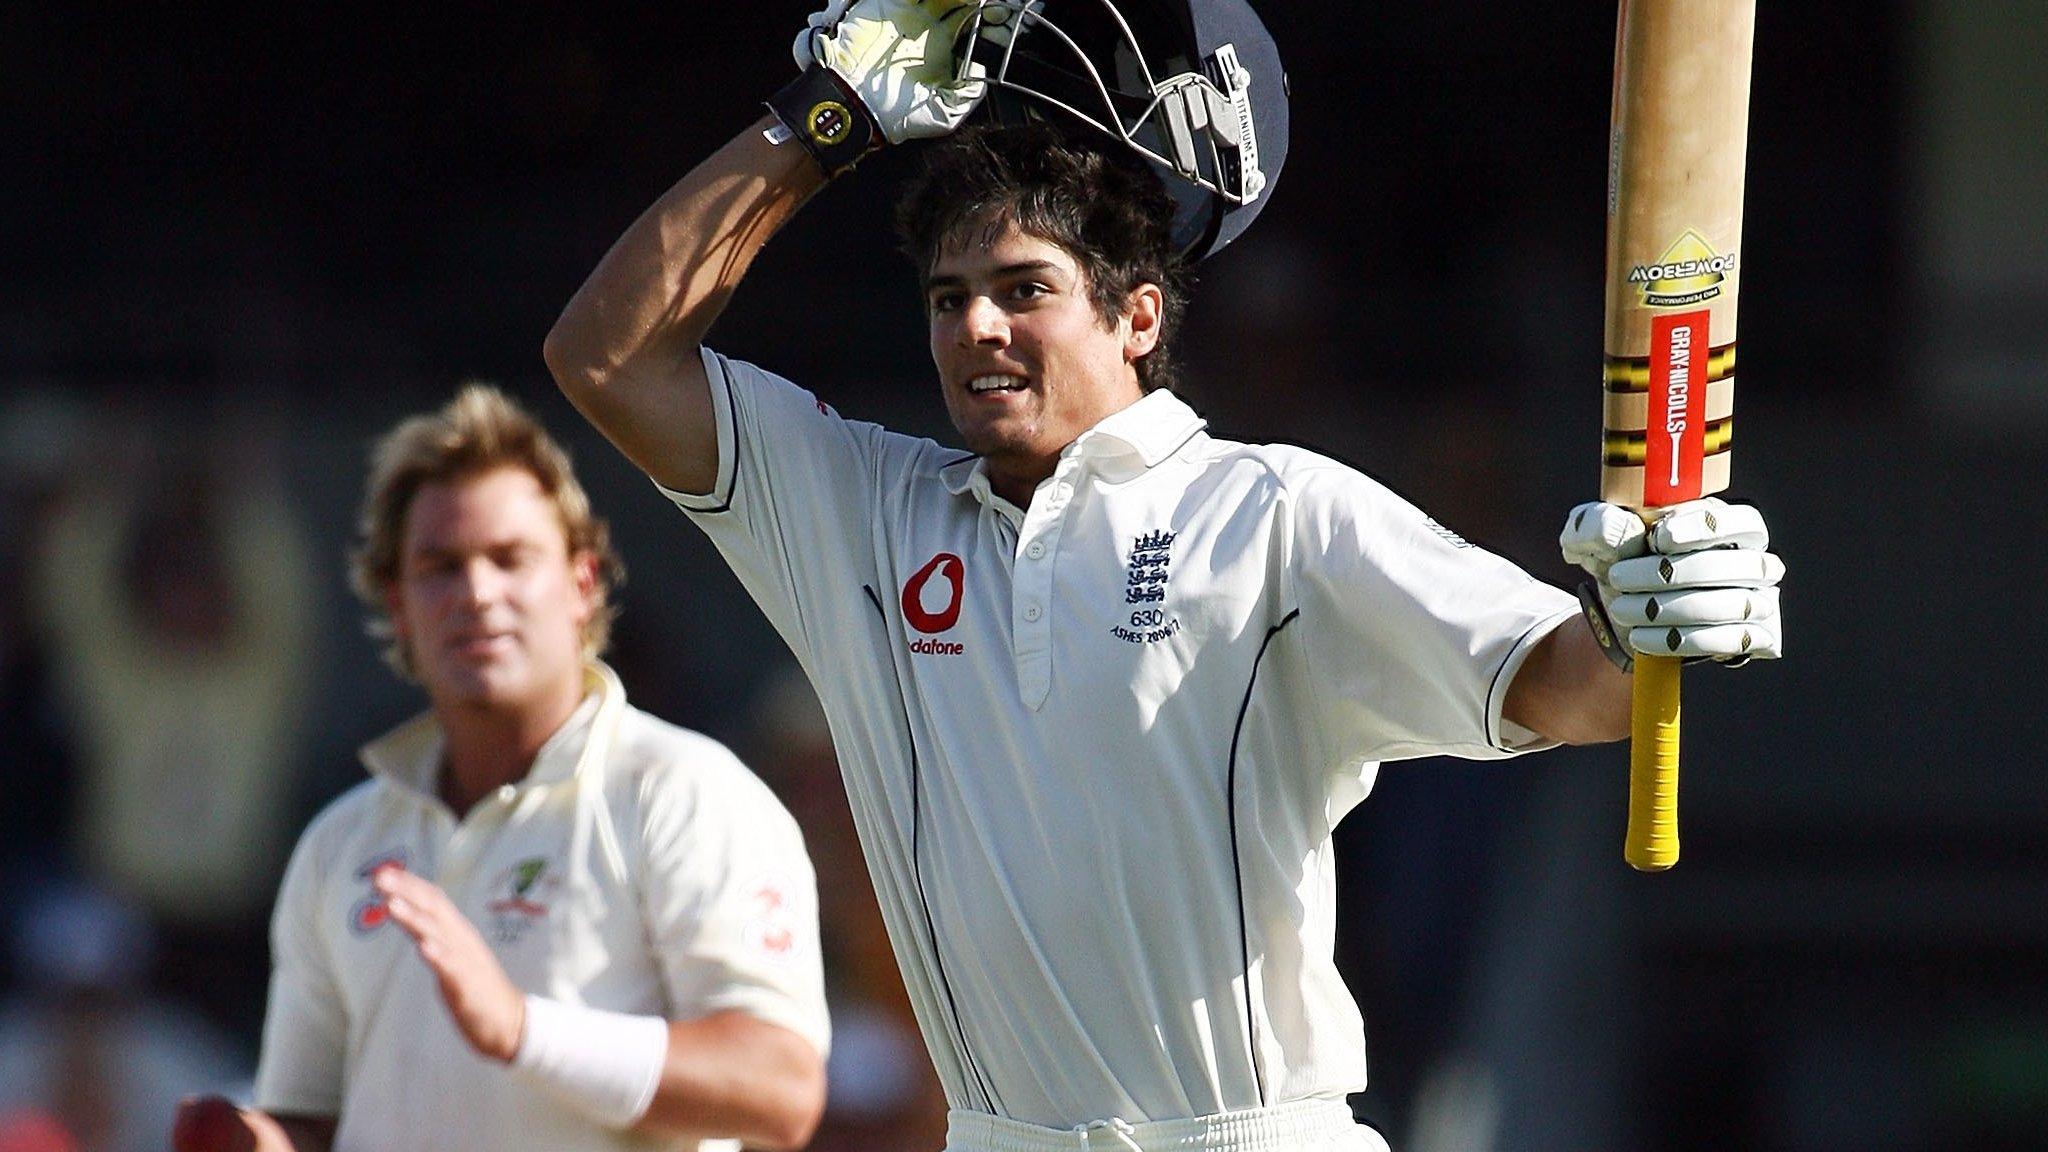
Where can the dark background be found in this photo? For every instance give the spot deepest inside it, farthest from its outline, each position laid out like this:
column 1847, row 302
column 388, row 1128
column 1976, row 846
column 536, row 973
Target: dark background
column 299, row 226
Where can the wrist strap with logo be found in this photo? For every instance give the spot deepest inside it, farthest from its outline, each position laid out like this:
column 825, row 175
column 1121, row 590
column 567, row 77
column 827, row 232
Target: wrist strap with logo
column 830, row 122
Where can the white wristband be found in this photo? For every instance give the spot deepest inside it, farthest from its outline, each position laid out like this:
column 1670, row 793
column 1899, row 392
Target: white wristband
column 604, row 1064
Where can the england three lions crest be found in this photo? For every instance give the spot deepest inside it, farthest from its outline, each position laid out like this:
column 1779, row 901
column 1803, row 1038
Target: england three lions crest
column 1149, row 574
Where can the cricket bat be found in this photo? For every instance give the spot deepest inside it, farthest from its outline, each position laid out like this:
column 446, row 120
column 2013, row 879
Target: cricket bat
column 1677, row 145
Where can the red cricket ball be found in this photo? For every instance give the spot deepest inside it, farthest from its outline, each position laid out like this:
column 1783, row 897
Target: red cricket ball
column 210, row 1124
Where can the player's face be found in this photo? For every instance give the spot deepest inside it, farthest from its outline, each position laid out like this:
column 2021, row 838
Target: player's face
column 489, row 602
column 1024, row 359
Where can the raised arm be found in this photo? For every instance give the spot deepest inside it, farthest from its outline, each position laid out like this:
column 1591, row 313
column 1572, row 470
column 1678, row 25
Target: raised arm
column 625, row 351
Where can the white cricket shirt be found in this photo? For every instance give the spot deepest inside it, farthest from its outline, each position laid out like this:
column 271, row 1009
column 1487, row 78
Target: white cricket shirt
column 639, row 867
column 1096, row 747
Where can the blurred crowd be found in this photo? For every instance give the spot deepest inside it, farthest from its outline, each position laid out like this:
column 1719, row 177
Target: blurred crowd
column 154, row 621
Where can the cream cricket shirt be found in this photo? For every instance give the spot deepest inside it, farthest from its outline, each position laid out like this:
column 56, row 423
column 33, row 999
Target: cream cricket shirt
column 1096, row 747
column 639, row 867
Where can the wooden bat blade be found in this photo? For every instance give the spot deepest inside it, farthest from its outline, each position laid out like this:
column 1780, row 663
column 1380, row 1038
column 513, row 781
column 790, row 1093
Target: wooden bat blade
column 1678, row 146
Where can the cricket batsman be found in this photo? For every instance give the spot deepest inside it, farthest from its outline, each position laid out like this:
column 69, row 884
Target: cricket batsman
column 1101, row 682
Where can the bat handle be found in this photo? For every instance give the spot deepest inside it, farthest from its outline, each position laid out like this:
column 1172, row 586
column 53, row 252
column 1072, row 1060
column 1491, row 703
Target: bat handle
column 1652, row 844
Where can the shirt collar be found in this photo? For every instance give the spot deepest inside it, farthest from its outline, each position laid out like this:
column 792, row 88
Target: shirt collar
column 967, row 474
column 409, row 755
column 1123, row 444
column 1150, row 430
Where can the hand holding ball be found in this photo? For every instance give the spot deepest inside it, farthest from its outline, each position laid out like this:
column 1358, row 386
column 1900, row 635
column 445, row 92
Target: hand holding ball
column 211, row 1124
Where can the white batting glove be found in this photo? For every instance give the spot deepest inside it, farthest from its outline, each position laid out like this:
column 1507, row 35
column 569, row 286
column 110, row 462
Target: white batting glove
column 897, row 57
column 1700, row 584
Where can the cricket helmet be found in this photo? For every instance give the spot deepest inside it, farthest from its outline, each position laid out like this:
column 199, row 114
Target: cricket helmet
column 1193, row 86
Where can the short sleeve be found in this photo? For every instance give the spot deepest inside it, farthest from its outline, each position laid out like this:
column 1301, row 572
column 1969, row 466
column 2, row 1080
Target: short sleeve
column 1412, row 634
column 794, row 496
column 305, row 1026
column 732, row 900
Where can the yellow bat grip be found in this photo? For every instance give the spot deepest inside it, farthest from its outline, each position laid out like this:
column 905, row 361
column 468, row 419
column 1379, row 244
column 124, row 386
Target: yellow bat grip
column 1652, row 844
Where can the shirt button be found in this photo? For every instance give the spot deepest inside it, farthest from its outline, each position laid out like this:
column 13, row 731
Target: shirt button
column 1031, row 613
column 1036, row 550
column 506, row 792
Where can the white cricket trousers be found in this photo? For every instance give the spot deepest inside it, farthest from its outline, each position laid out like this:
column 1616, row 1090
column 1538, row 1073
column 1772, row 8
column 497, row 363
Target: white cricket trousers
column 1302, row 1126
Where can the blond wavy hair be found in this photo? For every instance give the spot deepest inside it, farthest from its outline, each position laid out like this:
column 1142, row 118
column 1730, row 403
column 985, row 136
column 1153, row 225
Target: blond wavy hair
column 479, row 431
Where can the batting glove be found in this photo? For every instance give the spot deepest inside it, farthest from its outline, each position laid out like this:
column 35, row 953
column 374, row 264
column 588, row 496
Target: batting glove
column 1699, row 584
column 895, row 59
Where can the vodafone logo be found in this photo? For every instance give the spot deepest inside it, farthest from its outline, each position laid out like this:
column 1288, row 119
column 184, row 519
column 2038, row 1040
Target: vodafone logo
column 370, row 914
column 931, row 597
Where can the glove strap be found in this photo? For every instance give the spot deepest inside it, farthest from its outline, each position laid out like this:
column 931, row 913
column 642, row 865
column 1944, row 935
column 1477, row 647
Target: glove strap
column 1615, row 648
column 830, row 122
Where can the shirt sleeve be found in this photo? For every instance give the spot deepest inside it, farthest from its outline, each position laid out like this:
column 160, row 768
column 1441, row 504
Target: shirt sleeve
column 732, row 900
column 795, row 504
column 305, row 1027
column 1412, row 634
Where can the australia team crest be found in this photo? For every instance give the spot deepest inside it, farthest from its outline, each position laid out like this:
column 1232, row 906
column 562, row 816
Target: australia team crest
column 520, row 898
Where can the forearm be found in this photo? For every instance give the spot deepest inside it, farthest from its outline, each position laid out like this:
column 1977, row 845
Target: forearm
column 1567, row 689
column 625, row 348
column 667, row 278
column 734, row 1075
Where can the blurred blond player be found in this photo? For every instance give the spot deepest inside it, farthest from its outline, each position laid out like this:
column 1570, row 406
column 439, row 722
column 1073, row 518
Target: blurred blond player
column 548, row 920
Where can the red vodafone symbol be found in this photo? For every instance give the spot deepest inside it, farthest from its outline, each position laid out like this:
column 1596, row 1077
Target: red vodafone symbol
column 947, row 567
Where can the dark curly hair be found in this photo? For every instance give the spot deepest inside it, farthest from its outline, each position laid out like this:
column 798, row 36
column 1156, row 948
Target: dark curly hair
column 1109, row 212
